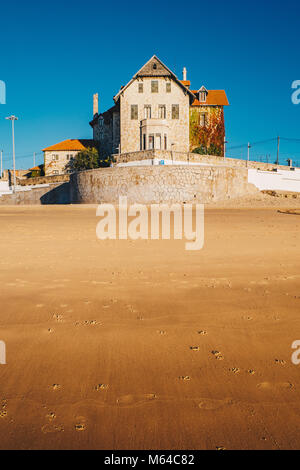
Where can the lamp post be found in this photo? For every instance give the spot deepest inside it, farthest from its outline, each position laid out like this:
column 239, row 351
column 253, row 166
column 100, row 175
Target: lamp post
column 13, row 119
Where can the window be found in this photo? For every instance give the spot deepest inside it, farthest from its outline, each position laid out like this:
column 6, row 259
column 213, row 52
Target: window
column 134, row 111
column 54, row 157
column 158, row 141
column 203, row 119
column 147, row 111
column 141, row 87
column 154, row 66
column 151, row 141
column 202, row 96
column 69, row 156
column 154, row 86
column 56, row 172
column 144, row 141
column 165, row 141
column 168, row 87
column 162, row 111
column 175, row 111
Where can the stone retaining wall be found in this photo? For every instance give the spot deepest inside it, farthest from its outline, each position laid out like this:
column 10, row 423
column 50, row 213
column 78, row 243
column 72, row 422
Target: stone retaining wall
column 43, row 180
column 53, row 194
column 157, row 184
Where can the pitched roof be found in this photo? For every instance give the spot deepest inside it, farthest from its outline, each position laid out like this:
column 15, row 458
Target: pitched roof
column 154, row 68
column 186, row 83
column 38, row 167
column 214, row 98
column 161, row 70
column 71, row 144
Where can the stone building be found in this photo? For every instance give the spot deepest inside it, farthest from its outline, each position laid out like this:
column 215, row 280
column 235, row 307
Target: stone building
column 156, row 110
column 57, row 157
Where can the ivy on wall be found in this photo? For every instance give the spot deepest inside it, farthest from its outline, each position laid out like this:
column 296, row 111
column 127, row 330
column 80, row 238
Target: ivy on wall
column 207, row 139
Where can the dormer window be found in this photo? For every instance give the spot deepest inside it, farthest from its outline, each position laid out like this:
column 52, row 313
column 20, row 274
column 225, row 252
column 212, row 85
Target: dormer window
column 202, row 94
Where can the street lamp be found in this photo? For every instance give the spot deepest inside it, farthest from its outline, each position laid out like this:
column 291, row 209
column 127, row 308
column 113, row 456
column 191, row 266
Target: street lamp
column 13, row 119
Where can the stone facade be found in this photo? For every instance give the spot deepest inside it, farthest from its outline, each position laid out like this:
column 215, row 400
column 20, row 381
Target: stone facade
column 157, row 130
column 58, row 156
column 155, row 111
column 56, row 161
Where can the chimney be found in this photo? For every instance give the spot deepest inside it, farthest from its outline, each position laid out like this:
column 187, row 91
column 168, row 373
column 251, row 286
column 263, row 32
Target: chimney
column 184, row 74
column 95, row 104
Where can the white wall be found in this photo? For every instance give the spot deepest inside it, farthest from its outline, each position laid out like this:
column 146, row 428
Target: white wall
column 284, row 180
column 156, row 161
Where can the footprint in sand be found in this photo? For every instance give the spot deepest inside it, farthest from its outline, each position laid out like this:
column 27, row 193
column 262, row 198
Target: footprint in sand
column 90, row 322
column 79, row 427
column 161, row 332
column 218, row 355
column 275, row 386
column 58, row 317
column 51, row 428
column 235, row 370
column 279, row 361
column 248, row 318
column 251, row 371
column 3, row 413
column 195, row 348
column 220, row 448
column 202, row 332
column 136, row 400
column 185, row 378
column 56, row 387
column 80, row 423
column 51, row 416
column 214, row 404
column 99, row 387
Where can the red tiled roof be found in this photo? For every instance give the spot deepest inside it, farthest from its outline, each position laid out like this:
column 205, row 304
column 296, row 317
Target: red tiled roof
column 185, row 82
column 35, row 168
column 214, row 97
column 71, row 144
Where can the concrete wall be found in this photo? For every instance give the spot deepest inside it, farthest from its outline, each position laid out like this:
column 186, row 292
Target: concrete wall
column 158, row 184
column 283, row 180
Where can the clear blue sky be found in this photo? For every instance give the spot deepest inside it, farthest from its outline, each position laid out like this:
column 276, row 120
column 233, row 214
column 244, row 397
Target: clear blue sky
column 55, row 55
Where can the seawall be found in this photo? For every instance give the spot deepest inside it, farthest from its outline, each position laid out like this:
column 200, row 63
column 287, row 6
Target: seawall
column 157, row 184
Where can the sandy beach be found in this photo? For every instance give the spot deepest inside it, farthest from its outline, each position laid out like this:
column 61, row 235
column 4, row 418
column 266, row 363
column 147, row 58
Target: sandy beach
column 144, row 345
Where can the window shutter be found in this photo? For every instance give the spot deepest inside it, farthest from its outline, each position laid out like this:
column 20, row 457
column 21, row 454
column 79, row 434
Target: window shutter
column 175, row 111
column 134, row 111
column 154, row 86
